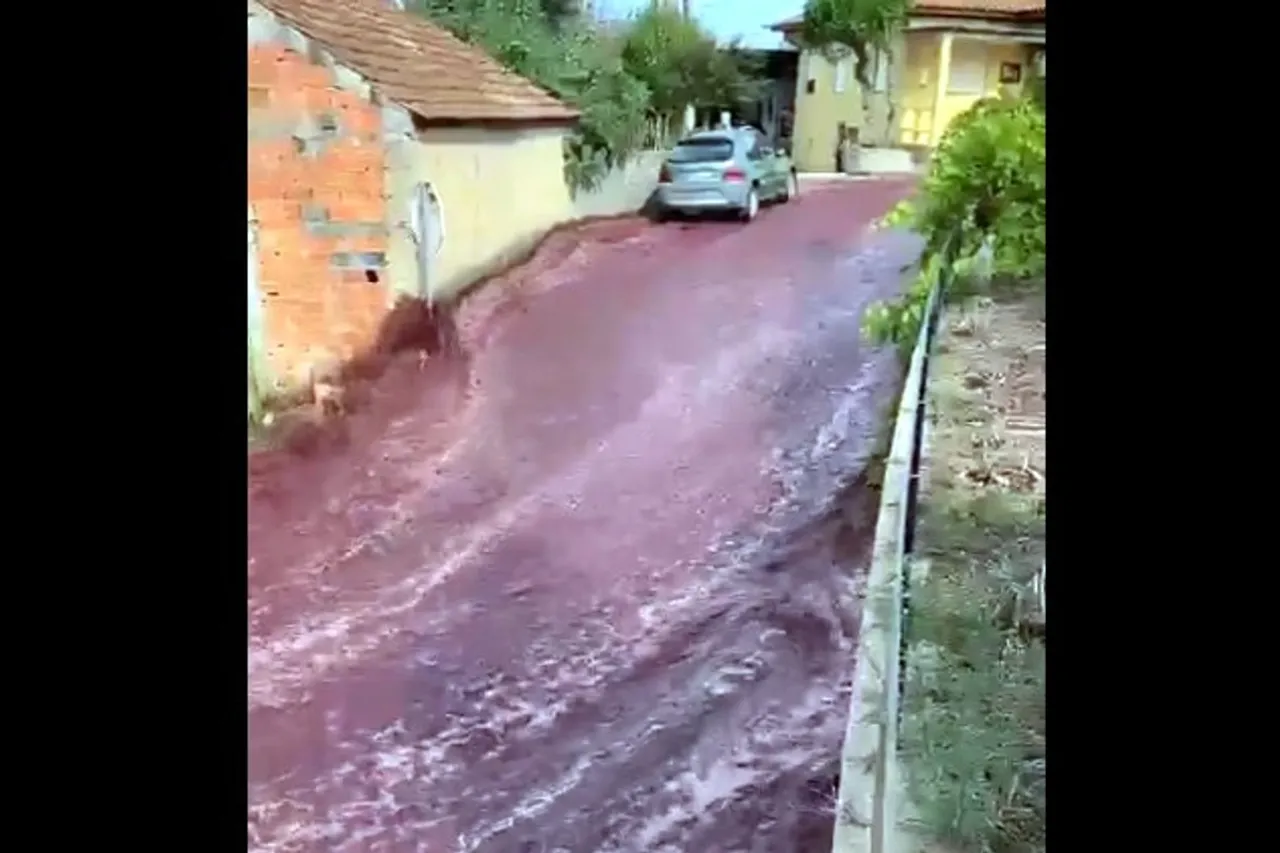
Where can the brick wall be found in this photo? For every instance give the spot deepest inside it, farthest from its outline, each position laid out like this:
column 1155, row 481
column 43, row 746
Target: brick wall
column 316, row 187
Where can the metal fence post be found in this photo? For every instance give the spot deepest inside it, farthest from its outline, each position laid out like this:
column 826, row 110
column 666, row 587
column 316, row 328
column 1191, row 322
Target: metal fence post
column 868, row 771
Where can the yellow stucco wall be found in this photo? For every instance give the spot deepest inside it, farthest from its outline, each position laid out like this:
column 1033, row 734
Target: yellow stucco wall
column 918, row 83
column 915, row 81
column 818, row 114
column 501, row 189
column 916, row 89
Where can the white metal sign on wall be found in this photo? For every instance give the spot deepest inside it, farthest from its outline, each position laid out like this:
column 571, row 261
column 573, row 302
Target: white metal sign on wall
column 256, row 380
column 426, row 224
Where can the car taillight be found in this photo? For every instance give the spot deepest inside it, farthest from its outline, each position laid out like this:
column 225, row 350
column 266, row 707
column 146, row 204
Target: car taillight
column 735, row 175
column 664, row 175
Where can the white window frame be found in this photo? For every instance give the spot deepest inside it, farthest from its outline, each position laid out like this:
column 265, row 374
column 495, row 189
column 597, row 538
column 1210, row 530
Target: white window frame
column 844, row 69
column 880, row 81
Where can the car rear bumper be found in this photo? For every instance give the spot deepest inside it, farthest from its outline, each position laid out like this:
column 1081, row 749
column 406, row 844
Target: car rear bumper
column 715, row 197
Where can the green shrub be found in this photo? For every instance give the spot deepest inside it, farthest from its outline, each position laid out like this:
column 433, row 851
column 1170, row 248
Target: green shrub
column 681, row 64
column 985, row 186
column 988, row 178
column 568, row 58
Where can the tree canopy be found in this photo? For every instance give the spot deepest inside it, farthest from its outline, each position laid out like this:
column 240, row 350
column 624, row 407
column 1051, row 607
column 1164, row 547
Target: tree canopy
column 655, row 66
column 856, row 24
column 682, row 65
column 861, row 26
column 566, row 57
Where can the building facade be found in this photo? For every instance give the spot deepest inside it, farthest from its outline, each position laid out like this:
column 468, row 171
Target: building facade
column 951, row 54
column 386, row 159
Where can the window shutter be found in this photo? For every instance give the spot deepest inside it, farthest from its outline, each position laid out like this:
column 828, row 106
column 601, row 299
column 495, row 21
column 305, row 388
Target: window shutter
column 968, row 76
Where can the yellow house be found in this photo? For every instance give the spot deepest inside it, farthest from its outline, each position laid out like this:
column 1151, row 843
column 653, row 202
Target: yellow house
column 951, row 53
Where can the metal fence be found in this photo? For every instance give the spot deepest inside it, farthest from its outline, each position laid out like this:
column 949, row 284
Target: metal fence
column 869, row 806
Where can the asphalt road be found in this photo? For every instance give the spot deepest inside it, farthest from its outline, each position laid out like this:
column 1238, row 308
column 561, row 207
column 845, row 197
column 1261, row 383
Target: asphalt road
column 590, row 586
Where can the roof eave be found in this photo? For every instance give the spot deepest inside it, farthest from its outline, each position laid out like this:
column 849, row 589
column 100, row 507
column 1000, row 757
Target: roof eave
column 1036, row 16
column 793, row 25
column 426, row 122
column 551, row 110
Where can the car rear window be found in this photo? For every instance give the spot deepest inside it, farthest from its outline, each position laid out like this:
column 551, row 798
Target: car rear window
column 703, row 151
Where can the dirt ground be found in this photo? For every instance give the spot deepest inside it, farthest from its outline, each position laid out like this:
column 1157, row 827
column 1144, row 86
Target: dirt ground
column 973, row 736
column 988, row 381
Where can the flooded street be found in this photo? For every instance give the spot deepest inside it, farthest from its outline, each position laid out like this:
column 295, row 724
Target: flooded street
column 592, row 588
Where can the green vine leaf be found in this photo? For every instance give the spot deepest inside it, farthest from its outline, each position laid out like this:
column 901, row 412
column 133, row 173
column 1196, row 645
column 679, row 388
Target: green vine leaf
column 981, row 211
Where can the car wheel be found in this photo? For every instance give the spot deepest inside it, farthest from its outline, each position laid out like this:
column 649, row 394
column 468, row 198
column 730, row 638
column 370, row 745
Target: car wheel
column 793, row 188
column 752, row 205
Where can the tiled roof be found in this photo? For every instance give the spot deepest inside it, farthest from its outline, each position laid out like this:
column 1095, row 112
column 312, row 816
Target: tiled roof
column 978, row 8
column 788, row 23
column 417, row 64
column 965, row 8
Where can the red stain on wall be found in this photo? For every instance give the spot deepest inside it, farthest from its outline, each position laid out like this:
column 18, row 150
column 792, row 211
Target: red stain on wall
column 309, row 306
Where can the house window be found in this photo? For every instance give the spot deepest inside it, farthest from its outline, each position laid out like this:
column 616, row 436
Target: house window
column 881, row 65
column 805, row 71
column 844, row 65
column 968, row 76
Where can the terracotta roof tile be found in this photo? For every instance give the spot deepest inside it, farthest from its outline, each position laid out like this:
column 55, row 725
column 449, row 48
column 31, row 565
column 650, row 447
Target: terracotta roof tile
column 969, row 8
column 979, row 7
column 418, row 64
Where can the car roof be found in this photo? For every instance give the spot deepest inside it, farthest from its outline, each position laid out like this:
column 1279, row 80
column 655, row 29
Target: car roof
column 713, row 135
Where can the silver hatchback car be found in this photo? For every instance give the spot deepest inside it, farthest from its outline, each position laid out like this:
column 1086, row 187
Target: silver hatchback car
column 733, row 169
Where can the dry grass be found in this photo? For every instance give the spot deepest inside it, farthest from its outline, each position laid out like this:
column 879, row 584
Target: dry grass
column 973, row 729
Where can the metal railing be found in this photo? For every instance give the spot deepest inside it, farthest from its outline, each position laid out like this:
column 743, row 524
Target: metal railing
column 868, row 806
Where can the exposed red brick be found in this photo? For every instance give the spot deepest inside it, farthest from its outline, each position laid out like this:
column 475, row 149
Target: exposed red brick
column 308, row 306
